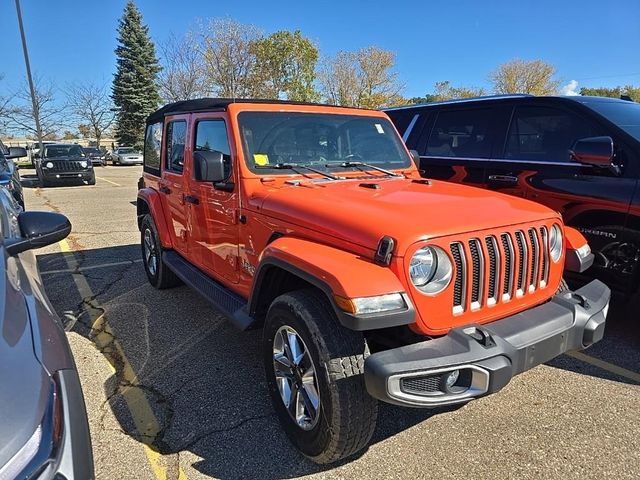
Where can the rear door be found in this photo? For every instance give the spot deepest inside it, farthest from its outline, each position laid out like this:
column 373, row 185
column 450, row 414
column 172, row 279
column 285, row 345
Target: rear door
column 536, row 164
column 172, row 184
column 214, row 208
column 457, row 142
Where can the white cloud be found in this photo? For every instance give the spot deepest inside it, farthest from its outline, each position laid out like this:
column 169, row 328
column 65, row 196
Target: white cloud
column 570, row 89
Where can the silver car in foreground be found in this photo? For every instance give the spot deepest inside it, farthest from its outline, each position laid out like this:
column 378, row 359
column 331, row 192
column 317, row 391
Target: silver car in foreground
column 126, row 156
column 44, row 432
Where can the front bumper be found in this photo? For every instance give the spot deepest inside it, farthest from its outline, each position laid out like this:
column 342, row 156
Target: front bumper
column 67, row 176
column 488, row 356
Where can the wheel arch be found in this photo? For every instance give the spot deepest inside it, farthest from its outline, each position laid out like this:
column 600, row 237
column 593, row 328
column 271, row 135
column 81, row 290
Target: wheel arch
column 148, row 203
column 289, row 264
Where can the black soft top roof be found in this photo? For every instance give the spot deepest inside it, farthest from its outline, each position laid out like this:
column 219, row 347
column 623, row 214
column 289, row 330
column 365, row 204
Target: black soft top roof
column 212, row 104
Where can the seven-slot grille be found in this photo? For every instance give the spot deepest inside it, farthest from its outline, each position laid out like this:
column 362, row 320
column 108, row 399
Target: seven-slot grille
column 499, row 267
column 66, row 166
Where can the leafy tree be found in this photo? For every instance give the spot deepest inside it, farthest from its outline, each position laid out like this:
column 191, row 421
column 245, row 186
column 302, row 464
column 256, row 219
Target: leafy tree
column 361, row 79
column 535, row 77
column 91, row 105
column 229, row 63
column 615, row 92
column 445, row 91
column 285, row 65
column 134, row 90
column 67, row 135
column 183, row 75
column 84, row 130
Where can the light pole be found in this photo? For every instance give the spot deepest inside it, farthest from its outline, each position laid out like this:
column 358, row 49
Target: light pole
column 34, row 103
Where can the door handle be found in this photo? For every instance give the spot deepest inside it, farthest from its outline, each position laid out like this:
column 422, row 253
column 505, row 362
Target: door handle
column 503, row 178
column 191, row 199
column 164, row 189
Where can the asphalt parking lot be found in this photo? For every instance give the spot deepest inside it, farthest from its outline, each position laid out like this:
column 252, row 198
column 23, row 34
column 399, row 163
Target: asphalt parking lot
column 173, row 391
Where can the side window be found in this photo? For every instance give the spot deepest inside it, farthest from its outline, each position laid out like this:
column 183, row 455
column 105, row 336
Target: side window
column 461, row 133
column 152, row 142
column 212, row 135
column 544, row 134
column 175, row 139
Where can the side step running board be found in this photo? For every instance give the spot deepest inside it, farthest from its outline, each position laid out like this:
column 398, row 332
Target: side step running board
column 230, row 304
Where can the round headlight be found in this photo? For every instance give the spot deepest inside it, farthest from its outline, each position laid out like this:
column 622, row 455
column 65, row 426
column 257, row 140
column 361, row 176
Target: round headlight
column 430, row 270
column 83, row 164
column 49, row 165
column 555, row 242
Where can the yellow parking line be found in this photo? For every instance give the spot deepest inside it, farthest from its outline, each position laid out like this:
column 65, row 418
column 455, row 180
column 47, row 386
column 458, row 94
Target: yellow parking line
column 145, row 420
column 609, row 367
column 112, row 183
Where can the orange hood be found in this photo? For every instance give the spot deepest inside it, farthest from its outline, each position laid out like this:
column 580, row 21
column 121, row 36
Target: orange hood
column 403, row 209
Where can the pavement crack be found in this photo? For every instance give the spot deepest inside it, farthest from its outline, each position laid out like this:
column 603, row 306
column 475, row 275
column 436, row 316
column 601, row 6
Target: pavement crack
column 188, row 445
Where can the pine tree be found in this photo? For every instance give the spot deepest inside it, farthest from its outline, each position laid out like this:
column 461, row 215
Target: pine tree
column 134, row 91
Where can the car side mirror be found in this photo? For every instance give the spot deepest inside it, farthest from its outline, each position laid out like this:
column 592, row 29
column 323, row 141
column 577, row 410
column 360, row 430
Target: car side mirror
column 39, row 229
column 17, row 152
column 416, row 157
column 596, row 151
column 209, row 166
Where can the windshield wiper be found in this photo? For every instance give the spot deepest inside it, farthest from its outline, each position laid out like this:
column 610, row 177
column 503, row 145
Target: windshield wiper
column 294, row 166
column 365, row 165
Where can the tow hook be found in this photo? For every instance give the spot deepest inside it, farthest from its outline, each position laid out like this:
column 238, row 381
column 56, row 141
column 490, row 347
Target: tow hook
column 481, row 336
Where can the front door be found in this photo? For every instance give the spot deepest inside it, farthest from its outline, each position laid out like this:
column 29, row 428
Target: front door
column 214, row 207
column 172, row 184
column 536, row 164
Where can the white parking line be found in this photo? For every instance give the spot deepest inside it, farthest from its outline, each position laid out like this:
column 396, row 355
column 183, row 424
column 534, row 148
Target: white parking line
column 112, row 183
column 90, row 267
column 609, row 367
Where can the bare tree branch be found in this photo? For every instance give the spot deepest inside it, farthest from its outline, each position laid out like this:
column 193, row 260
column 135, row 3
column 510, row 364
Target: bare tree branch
column 91, row 104
column 183, row 75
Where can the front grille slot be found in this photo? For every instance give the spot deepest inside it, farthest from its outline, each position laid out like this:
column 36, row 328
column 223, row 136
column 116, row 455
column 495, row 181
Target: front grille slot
column 460, row 282
column 522, row 263
column 545, row 257
column 494, row 270
column 507, row 245
column 66, row 166
column 535, row 259
column 477, row 271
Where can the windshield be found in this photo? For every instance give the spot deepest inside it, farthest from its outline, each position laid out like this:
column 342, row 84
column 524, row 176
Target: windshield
column 626, row 115
column 314, row 139
column 125, row 150
column 53, row 151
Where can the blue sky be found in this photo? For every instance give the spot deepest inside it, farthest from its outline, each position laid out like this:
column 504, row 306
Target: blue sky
column 595, row 43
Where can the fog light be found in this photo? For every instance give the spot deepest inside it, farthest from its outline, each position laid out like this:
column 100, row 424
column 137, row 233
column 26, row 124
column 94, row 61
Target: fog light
column 451, row 378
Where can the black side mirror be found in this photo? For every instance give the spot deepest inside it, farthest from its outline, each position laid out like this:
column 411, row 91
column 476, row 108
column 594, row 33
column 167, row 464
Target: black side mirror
column 39, row 229
column 416, row 157
column 596, row 151
column 208, row 166
column 17, row 152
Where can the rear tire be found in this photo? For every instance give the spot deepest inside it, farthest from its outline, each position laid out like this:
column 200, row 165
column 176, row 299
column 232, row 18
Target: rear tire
column 158, row 273
column 345, row 416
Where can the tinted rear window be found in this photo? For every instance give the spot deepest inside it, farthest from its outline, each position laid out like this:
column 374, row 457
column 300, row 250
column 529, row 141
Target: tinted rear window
column 626, row 115
column 461, row 133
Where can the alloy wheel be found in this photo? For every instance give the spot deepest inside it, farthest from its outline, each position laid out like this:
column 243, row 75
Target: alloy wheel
column 150, row 253
column 296, row 377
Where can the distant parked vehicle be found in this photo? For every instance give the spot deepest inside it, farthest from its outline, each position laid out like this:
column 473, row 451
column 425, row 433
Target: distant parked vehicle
column 126, row 156
column 44, row 431
column 9, row 174
column 97, row 156
column 64, row 163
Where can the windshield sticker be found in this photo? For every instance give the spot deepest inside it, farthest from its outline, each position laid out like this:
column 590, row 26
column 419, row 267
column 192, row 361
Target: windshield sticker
column 379, row 128
column 261, row 159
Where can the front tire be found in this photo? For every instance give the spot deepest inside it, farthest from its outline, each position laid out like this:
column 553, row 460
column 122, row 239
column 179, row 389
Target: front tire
column 314, row 369
column 158, row 273
column 92, row 180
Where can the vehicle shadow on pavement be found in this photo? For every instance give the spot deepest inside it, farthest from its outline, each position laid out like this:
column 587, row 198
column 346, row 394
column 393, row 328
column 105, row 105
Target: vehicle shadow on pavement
column 185, row 380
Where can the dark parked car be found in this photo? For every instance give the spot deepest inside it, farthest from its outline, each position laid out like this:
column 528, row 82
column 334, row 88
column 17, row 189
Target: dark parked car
column 9, row 174
column 44, row 432
column 64, row 163
column 577, row 155
column 97, row 156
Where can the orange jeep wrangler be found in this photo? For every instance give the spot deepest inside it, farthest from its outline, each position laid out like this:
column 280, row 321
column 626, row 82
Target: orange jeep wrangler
column 368, row 281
